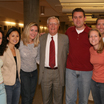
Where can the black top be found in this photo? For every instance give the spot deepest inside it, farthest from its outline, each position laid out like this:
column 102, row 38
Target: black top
column 16, row 67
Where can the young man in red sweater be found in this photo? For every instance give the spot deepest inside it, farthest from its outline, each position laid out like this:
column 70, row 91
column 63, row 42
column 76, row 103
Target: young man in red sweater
column 79, row 68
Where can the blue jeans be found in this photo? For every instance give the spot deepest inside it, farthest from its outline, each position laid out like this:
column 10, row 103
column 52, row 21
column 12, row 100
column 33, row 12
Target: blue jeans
column 97, row 92
column 77, row 80
column 28, row 86
column 13, row 93
column 2, row 94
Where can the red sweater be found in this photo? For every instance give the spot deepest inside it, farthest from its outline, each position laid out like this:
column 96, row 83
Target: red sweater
column 97, row 59
column 79, row 55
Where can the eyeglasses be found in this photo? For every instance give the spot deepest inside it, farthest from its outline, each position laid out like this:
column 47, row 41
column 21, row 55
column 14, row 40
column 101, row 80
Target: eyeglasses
column 53, row 23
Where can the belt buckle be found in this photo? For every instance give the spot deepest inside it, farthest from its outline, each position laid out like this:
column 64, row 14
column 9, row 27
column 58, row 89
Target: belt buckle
column 53, row 68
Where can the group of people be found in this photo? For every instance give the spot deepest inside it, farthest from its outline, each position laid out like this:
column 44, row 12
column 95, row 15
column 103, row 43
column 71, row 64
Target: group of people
column 74, row 60
column 18, row 58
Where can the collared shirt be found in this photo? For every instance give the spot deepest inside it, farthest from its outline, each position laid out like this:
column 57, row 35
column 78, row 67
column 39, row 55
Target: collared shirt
column 55, row 38
column 79, row 56
column 79, row 31
column 103, row 39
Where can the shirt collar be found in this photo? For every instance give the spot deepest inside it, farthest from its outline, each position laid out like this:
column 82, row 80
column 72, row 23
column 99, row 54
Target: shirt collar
column 52, row 36
column 85, row 30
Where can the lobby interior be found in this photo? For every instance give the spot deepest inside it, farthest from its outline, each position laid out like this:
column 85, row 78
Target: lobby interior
column 12, row 14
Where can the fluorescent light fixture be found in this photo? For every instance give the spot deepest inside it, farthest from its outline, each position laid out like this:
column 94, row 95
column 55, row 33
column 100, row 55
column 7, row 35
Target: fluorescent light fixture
column 21, row 24
column 10, row 23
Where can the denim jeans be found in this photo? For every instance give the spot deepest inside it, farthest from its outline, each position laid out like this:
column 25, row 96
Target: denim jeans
column 77, row 80
column 28, row 86
column 2, row 94
column 13, row 93
column 97, row 92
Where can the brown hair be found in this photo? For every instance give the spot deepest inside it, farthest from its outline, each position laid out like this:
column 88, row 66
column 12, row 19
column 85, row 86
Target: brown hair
column 99, row 19
column 3, row 44
column 101, row 44
column 78, row 10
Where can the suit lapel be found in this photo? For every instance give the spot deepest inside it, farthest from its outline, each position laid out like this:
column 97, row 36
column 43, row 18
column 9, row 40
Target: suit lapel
column 59, row 48
column 17, row 56
column 44, row 46
column 60, row 45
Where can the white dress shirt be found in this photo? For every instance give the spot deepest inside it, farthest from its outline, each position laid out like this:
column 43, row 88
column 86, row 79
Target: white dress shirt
column 103, row 39
column 55, row 38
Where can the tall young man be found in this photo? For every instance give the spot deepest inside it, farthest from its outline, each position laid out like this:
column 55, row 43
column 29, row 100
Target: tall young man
column 79, row 68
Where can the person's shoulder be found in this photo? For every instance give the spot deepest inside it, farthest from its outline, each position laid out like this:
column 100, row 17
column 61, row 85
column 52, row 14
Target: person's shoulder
column 91, row 49
column 71, row 28
column 43, row 36
column 21, row 43
column 87, row 29
column 6, row 51
column 63, row 35
column 17, row 50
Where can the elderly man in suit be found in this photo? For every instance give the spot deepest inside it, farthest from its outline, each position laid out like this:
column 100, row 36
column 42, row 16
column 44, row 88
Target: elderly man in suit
column 53, row 55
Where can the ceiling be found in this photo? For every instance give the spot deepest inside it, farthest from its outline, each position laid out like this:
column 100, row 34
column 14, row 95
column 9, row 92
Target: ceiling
column 12, row 10
column 92, row 8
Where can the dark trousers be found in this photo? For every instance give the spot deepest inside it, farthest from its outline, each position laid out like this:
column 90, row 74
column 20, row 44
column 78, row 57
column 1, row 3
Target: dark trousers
column 13, row 93
column 97, row 92
column 28, row 86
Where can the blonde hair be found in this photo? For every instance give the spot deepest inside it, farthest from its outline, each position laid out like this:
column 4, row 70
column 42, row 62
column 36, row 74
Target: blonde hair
column 101, row 44
column 25, row 34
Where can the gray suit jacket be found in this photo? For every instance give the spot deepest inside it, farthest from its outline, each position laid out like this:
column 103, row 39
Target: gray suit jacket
column 63, row 46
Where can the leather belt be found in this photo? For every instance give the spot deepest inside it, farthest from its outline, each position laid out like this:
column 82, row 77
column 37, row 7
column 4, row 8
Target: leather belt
column 51, row 68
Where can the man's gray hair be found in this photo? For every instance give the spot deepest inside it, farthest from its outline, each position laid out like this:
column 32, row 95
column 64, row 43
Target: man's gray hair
column 53, row 17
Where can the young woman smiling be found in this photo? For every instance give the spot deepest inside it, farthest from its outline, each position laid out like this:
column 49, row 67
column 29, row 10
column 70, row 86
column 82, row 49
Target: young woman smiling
column 97, row 60
column 29, row 52
column 11, row 66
